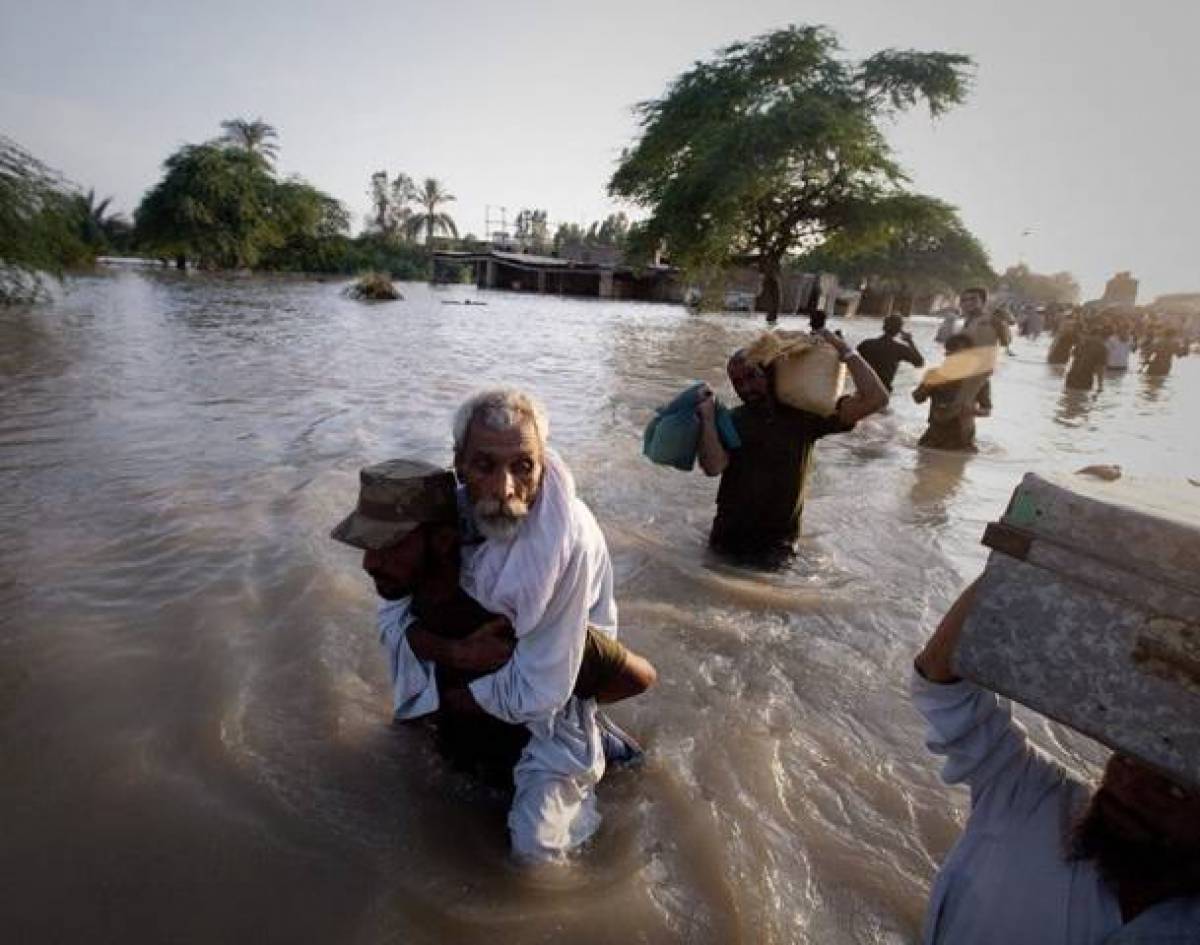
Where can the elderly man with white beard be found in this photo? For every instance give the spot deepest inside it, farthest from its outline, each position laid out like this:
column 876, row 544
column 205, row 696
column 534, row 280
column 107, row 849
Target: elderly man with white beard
column 538, row 558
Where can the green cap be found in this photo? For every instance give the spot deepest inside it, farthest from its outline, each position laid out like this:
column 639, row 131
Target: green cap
column 394, row 498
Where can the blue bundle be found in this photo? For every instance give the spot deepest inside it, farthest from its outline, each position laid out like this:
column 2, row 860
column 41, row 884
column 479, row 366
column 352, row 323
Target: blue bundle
column 673, row 436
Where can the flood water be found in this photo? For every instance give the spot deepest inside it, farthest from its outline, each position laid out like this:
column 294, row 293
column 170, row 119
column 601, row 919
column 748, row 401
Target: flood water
column 194, row 713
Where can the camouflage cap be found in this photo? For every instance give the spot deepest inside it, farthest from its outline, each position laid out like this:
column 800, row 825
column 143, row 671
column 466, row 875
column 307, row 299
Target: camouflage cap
column 394, row 498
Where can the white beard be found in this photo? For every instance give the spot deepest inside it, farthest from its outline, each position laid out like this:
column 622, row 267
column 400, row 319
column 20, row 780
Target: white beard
column 498, row 527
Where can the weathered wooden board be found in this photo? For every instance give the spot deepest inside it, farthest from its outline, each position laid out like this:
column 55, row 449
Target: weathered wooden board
column 1089, row 612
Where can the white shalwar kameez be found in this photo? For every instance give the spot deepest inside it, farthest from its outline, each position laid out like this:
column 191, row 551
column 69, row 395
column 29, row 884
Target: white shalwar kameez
column 552, row 581
column 1009, row 879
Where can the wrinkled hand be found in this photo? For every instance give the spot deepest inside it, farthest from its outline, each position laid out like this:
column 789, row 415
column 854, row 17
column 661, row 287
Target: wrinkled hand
column 706, row 404
column 487, row 649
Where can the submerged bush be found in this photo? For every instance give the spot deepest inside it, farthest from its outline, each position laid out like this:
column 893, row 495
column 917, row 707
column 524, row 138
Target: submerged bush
column 373, row 287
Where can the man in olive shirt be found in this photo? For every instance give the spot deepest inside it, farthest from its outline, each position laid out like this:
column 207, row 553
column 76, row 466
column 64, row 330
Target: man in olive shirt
column 761, row 497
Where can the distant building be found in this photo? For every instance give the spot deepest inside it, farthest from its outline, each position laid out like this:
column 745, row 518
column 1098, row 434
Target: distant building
column 527, row 272
column 1121, row 289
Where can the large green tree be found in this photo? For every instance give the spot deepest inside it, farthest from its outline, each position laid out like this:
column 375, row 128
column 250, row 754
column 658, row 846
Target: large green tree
column 214, row 205
column 39, row 224
column 430, row 221
column 774, row 146
column 922, row 248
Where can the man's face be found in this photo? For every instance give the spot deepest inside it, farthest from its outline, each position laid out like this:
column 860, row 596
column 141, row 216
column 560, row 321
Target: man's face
column 398, row 569
column 749, row 381
column 502, row 470
column 971, row 304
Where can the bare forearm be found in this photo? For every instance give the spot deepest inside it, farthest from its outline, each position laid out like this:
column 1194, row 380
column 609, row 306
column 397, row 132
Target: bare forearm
column 869, row 393
column 936, row 661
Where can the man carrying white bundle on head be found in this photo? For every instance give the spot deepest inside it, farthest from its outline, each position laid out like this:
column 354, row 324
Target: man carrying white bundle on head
column 532, row 552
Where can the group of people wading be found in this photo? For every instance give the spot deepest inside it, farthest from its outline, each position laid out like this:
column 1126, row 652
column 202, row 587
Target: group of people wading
column 499, row 622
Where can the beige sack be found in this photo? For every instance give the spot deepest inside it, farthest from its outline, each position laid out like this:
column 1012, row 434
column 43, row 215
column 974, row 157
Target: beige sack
column 809, row 375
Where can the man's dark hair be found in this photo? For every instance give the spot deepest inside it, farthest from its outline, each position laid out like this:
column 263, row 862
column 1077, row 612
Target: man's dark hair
column 893, row 325
column 977, row 290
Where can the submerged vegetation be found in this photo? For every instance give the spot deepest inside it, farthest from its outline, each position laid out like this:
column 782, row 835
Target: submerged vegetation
column 373, row 287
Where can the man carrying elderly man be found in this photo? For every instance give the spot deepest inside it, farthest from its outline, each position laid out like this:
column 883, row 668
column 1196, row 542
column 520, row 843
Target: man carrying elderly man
column 515, row 665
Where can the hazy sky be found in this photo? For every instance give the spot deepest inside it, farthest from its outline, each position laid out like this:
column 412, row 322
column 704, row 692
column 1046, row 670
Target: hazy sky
column 1082, row 126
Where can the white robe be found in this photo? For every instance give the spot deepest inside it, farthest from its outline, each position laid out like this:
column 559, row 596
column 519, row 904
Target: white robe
column 1009, row 879
column 552, row 581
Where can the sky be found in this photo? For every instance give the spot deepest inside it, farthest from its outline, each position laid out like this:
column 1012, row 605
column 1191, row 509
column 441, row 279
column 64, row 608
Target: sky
column 1076, row 150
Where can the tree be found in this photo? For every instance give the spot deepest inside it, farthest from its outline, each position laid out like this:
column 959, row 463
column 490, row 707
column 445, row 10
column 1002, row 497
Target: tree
column 391, row 202
column 213, row 205
column 925, row 249
column 312, row 227
column 255, row 137
column 1059, row 288
column 775, row 146
column 430, row 221
column 532, row 230
column 39, row 231
column 99, row 229
column 611, row 231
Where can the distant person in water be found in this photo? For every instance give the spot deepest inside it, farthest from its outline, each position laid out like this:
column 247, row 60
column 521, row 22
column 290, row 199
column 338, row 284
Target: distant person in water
column 1163, row 351
column 1089, row 362
column 1063, row 343
column 952, row 405
column 761, row 496
column 885, row 352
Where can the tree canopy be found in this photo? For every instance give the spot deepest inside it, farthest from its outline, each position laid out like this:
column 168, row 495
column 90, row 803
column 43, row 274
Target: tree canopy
column 39, row 224
column 255, row 137
column 220, row 205
column 775, row 146
column 923, row 248
column 430, row 221
column 1059, row 288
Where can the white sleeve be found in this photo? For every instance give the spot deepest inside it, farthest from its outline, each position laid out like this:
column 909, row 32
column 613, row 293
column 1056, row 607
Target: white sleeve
column 539, row 678
column 414, row 685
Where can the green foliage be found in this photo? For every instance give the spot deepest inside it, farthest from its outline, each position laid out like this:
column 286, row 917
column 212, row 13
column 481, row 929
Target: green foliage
column 774, row 146
column 39, row 225
column 532, row 230
column 913, row 245
column 1059, row 288
column 430, row 222
column 255, row 137
column 613, row 231
column 391, row 204
column 214, row 205
column 220, row 205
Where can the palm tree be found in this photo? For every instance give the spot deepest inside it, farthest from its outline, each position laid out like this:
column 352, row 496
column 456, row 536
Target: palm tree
column 253, row 136
column 98, row 227
column 430, row 196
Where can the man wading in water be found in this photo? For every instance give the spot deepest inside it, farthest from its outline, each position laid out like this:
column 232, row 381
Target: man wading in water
column 761, row 496
column 541, row 562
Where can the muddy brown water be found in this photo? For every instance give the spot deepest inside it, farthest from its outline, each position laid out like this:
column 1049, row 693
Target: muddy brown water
column 194, row 737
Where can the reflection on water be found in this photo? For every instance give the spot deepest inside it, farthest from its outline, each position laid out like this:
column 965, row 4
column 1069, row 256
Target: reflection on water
column 193, row 710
